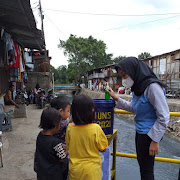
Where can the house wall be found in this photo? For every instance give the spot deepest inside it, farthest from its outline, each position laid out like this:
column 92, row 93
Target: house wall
column 4, row 80
column 171, row 75
column 44, row 80
column 107, row 73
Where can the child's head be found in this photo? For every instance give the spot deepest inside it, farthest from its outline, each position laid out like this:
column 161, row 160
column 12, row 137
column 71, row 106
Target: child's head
column 82, row 110
column 50, row 119
column 63, row 105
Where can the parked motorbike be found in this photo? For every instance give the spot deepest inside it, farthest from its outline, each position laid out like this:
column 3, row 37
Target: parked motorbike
column 173, row 94
column 22, row 97
column 41, row 98
column 50, row 96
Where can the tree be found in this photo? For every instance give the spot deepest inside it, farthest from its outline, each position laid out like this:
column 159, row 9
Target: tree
column 60, row 74
column 96, row 53
column 85, row 54
column 56, row 74
column 71, row 72
column 118, row 59
column 144, row 55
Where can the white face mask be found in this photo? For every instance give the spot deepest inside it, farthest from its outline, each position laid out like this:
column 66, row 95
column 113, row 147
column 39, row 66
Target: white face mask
column 128, row 82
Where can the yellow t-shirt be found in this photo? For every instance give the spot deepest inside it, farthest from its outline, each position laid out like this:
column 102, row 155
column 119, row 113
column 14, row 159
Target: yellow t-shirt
column 83, row 143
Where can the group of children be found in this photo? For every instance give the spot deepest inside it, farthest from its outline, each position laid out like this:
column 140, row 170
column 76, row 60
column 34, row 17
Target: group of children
column 69, row 149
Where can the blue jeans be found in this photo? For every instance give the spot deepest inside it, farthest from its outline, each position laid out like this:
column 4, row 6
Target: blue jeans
column 146, row 162
column 31, row 98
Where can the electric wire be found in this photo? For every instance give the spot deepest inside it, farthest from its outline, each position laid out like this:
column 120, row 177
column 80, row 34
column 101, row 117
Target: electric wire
column 98, row 14
column 142, row 23
column 54, row 24
column 147, row 22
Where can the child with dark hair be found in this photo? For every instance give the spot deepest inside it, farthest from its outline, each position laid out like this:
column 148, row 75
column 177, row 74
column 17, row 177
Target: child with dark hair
column 62, row 104
column 84, row 140
column 50, row 153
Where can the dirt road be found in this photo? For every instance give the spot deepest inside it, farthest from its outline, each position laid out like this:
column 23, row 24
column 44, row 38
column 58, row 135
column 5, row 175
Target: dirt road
column 19, row 147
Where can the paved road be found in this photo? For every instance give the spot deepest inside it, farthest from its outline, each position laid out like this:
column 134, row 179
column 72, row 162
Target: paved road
column 128, row 169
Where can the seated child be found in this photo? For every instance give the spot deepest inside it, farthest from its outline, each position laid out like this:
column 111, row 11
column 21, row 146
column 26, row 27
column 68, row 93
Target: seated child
column 31, row 95
column 50, row 153
column 84, row 140
column 62, row 104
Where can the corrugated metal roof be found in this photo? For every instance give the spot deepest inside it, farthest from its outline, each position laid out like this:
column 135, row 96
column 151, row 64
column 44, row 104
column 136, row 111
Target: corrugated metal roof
column 17, row 18
column 106, row 66
column 161, row 55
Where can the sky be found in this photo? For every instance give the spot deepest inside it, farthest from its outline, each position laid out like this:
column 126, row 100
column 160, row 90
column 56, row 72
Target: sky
column 128, row 27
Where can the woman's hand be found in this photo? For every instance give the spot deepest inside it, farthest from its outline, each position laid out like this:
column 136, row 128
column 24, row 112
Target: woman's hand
column 154, row 148
column 112, row 94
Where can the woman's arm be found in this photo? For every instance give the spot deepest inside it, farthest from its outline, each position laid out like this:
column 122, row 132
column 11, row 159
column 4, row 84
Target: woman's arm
column 155, row 95
column 121, row 103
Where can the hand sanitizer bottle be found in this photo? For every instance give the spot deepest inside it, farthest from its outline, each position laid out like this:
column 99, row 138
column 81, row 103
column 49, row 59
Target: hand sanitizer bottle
column 107, row 95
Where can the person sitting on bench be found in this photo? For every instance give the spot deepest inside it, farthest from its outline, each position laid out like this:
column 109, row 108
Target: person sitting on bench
column 8, row 97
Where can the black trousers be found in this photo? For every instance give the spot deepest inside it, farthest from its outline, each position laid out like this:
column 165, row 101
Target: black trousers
column 146, row 162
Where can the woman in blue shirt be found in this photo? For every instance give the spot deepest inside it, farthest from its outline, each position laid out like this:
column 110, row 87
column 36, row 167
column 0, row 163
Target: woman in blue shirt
column 150, row 106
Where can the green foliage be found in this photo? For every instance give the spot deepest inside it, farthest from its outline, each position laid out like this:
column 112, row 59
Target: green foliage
column 84, row 54
column 60, row 74
column 118, row 59
column 144, row 55
column 71, row 72
column 54, row 70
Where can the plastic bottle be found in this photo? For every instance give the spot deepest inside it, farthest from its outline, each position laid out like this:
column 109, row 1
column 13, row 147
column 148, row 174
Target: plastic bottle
column 107, row 95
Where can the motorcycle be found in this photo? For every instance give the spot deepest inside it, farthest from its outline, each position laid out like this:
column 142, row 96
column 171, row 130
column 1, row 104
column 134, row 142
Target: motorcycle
column 22, row 97
column 50, row 96
column 41, row 98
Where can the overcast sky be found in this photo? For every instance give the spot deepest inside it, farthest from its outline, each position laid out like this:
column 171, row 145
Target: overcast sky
column 123, row 35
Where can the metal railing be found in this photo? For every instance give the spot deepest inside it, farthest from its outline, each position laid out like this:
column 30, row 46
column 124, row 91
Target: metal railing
column 120, row 111
column 161, row 159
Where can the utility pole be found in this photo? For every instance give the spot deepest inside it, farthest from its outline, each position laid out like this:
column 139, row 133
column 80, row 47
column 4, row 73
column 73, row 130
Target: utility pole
column 42, row 29
column 42, row 17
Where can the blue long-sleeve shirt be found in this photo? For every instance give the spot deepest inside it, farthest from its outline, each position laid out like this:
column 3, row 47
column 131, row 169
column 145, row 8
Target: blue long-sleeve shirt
column 155, row 94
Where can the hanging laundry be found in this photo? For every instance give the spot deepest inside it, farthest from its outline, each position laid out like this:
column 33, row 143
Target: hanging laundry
column 25, row 77
column 17, row 56
column 13, row 74
column 22, row 69
column 7, row 39
column 9, row 48
column 1, row 53
column 29, row 60
column 11, row 58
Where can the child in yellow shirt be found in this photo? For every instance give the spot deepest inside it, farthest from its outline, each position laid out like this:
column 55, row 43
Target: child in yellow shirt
column 84, row 140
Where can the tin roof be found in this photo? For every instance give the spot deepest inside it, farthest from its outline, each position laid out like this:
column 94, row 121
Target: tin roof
column 106, row 66
column 165, row 54
column 17, row 18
